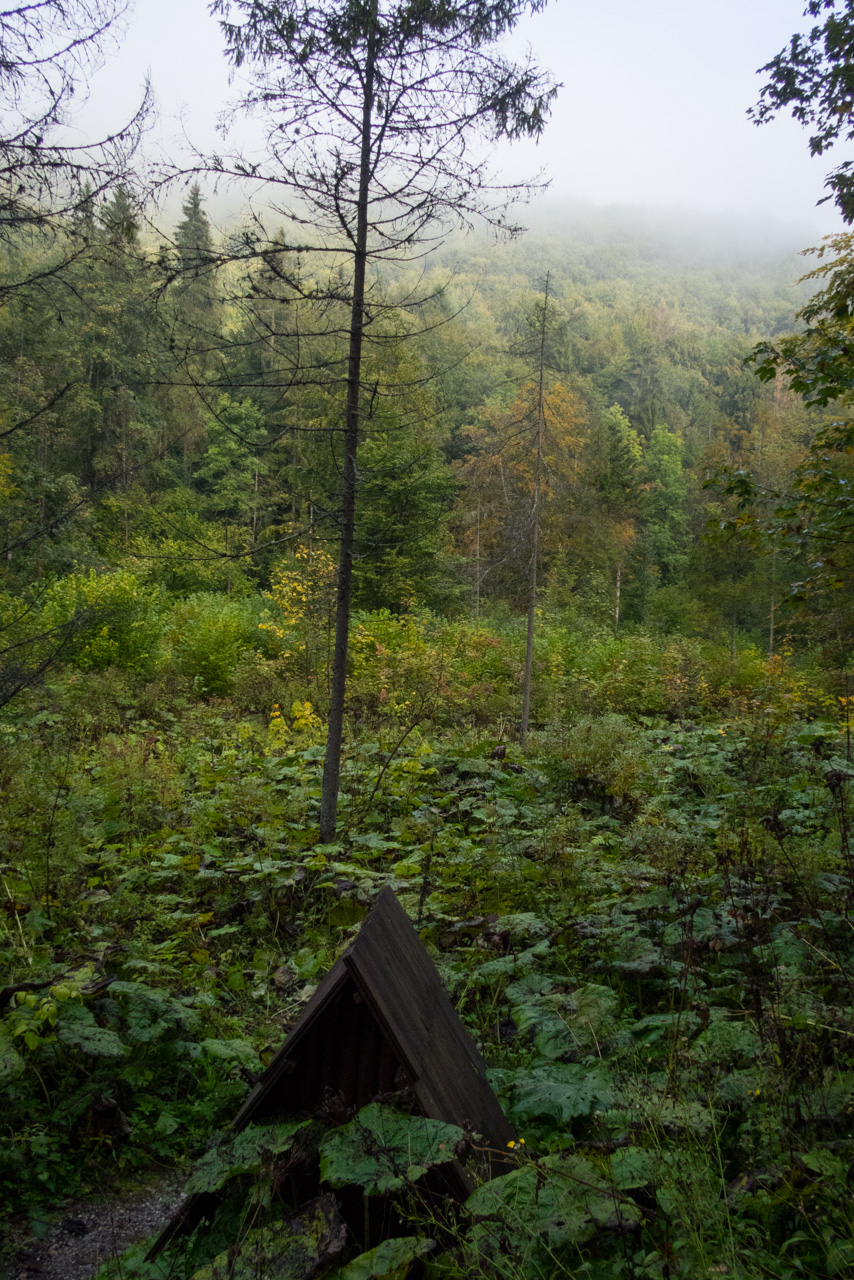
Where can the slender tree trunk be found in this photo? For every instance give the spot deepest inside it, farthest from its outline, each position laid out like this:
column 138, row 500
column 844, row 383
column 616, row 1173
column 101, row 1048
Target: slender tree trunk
column 617, row 602
column 532, row 606
column 294, row 465
column 43, row 453
column 844, row 654
column 773, row 607
column 477, row 572
column 125, row 480
column 338, row 688
column 535, row 532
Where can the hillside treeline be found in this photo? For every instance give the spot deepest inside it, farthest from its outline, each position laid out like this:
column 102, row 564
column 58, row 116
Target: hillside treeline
column 172, row 416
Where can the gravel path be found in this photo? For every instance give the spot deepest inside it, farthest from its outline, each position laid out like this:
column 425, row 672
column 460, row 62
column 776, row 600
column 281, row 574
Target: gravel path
column 91, row 1232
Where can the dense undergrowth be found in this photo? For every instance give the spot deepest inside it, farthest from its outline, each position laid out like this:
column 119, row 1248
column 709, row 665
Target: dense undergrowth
column 644, row 920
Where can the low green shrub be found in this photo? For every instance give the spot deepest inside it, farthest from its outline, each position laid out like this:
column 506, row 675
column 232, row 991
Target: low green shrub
column 207, row 637
column 112, row 619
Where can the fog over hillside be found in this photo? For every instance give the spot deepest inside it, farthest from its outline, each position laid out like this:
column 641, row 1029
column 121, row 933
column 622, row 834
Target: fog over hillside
column 652, row 111
column 672, row 234
column 617, row 236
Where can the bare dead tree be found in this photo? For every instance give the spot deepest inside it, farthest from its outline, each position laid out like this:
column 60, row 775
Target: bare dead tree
column 535, row 518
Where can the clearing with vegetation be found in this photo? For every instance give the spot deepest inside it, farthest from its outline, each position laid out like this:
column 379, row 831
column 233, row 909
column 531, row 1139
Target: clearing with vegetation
column 568, row 588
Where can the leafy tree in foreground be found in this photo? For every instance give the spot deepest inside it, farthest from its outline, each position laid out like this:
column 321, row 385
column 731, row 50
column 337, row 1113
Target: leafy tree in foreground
column 816, row 360
column 812, row 77
column 373, row 109
column 812, row 519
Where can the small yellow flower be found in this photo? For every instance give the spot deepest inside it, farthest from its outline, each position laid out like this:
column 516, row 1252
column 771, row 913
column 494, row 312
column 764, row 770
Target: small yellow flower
column 511, row 1145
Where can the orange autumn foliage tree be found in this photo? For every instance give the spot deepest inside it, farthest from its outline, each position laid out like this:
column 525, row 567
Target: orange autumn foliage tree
column 500, row 477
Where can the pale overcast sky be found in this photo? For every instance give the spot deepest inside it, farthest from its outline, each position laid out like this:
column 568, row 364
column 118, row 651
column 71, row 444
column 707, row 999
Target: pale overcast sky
column 652, row 111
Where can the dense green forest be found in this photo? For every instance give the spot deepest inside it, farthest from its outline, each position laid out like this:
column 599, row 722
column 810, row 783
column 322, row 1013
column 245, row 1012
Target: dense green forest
column 178, row 441
column 621, row 439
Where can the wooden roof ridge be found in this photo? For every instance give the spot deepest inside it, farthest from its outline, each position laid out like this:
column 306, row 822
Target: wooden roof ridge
column 386, row 969
column 395, row 976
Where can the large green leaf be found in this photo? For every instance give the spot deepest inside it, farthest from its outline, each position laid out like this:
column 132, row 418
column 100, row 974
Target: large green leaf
column 563, row 1022
column 634, row 952
column 511, row 964
column 243, row 1154
column 726, row 1041
column 383, row 1149
column 540, row 1009
column 11, row 1063
column 297, row 1248
column 559, row 1092
column 542, row 1206
column 150, row 1014
column 241, row 1051
column 76, row 1026
column 391, row 1260
column 633, row 1167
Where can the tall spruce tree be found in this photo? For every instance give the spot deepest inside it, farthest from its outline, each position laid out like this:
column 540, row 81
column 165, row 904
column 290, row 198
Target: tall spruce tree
column 195, row 318
column 373, row 110
column 195, row 253
column 193, row 238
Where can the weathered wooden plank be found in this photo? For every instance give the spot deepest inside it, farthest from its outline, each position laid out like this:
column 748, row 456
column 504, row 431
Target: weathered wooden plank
column 397, row 978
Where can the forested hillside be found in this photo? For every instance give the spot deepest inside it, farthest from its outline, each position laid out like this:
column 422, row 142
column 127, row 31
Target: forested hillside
column 175, row 437
column 596, row 731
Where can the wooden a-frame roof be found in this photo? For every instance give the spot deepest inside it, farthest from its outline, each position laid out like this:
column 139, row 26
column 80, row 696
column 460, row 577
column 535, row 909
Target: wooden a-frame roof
column 380, row 1020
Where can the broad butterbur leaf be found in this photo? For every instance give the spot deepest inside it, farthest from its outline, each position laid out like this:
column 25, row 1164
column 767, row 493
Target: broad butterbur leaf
column 231, row 1051
column 725, row 1041
column 150, row 1014
column 382, row 1149
column 559, row 1092
column 557, row 1201
column 390, row 1260
column 243, row 1154
column 11, row 1063
column 76, row 1026
column 632, row 1167
column 294, row 1249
